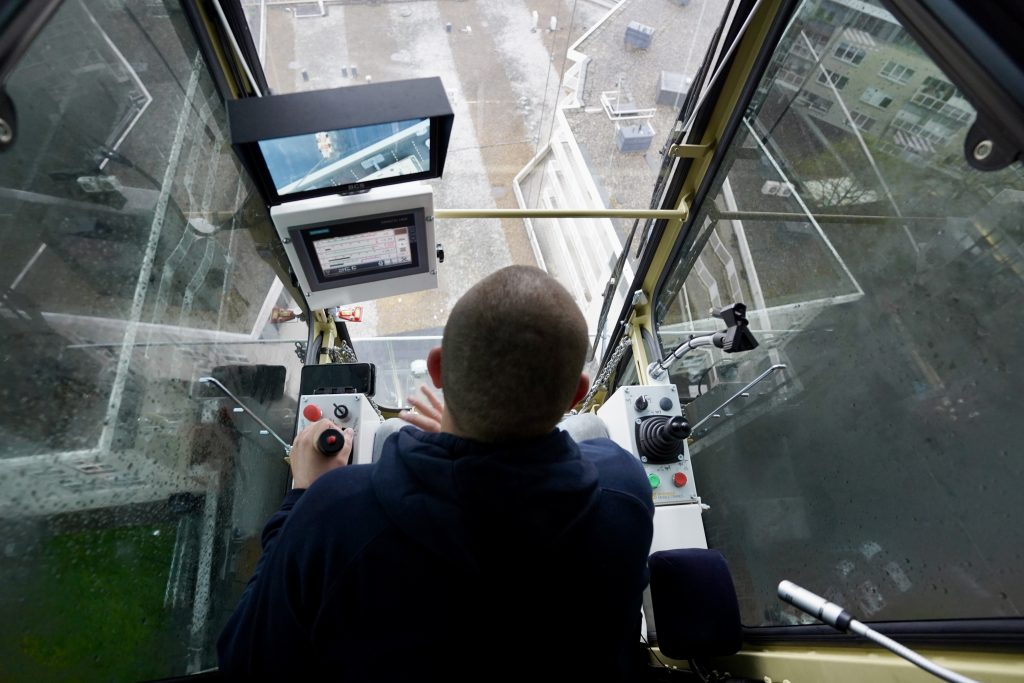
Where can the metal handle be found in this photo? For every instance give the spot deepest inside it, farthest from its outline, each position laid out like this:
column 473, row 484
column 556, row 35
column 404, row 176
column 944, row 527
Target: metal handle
column 245, row 408
column 757, row 380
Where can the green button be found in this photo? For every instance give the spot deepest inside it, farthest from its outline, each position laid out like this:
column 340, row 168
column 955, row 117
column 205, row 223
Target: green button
column 654, row 479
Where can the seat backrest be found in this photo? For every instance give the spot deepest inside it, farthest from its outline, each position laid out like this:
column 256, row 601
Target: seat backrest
column 694, row 599
column 583, row 427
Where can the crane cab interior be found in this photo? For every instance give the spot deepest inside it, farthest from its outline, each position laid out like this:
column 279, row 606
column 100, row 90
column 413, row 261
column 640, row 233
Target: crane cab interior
column 795, row 229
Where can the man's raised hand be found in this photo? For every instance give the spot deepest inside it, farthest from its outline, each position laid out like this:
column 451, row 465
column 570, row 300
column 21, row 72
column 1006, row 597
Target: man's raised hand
column 428, row 410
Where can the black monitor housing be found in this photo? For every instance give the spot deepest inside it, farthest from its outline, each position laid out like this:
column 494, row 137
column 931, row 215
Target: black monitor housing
column 343, row 140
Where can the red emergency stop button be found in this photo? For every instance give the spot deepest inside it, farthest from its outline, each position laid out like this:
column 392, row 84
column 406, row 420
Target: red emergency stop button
column 679, row 479
column 312, row 413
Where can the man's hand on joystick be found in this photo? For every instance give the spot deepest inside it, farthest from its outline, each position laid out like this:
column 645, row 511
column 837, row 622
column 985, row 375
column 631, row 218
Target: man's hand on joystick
column 309, row 462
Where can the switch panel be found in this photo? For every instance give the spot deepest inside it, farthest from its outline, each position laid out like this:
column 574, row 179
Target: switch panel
column 671, row 482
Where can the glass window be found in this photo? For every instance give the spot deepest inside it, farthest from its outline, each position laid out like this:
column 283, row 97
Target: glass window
column 894, row 71
column 876, row 98
column 848, row 53
column 828, row 76
column 563, row 113
column 818, row 103
column 861, row 120
column 938, row 88
column 132, row 494
column 880, row 467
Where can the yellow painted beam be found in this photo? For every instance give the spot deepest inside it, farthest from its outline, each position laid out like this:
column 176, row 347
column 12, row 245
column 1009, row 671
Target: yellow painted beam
column 661, row 214
column 847, row 664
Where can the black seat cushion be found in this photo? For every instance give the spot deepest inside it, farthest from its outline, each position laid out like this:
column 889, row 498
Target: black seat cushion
column 695, row 607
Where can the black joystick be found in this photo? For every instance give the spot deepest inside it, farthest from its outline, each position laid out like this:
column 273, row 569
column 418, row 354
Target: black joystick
column 660, row 438
column 330, row 441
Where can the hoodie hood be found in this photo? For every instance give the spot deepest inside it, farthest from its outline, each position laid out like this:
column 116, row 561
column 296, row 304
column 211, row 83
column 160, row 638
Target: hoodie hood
column 460, row 498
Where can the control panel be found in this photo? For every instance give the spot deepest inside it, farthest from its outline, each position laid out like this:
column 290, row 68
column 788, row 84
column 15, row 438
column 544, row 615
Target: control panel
column 339, row 392
column 348, row 411
column 647, row 421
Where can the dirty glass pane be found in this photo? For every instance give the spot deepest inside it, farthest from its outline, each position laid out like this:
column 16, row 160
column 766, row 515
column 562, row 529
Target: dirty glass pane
column 131, row 493
column 879, row 466
column 557, row 105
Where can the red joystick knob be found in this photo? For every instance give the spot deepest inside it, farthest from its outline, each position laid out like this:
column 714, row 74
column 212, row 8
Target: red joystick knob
column 312, row 413
column 679, row 479
column 330, row 441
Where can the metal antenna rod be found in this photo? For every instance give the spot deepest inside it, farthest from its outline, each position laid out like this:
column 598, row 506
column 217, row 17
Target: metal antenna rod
column 841, row 620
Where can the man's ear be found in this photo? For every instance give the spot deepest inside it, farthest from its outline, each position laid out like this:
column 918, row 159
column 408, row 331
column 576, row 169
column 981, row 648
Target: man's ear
column 581, row 388
column 434, row 365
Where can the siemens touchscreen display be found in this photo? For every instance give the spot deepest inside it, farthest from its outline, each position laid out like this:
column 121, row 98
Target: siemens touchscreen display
column 363, row 247
column 363, row 251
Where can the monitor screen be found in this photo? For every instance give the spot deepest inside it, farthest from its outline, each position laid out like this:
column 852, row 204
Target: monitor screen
column 313, row 161
column 363, row 249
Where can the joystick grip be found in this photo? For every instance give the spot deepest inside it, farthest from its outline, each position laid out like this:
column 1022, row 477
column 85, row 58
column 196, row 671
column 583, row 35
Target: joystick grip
column 330, row 441
column 660, row 438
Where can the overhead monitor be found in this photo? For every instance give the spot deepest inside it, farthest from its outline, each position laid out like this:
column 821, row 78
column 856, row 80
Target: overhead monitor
column 343, row 140
column 346, row 249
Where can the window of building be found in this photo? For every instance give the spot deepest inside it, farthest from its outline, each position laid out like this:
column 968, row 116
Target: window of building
column 790, row 77
column 937, row 88
column 873, row 25
column 850, row 54
column 876, row 98
column 834, row 78
column 897, row 72
column 861, row 120
column 817, row 103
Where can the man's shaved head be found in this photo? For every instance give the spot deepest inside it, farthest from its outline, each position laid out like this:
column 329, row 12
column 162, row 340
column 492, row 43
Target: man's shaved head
column 512, row 354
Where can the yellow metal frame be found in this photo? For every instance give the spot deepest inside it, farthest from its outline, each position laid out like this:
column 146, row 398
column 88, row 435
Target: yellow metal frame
column 849, row 664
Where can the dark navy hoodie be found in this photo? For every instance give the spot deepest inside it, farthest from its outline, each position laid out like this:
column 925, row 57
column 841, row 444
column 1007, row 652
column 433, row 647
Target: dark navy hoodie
column 451, row 559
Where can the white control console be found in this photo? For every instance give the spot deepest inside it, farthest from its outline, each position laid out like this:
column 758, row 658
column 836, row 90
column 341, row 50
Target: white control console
column 668, row 470
column 348, row 411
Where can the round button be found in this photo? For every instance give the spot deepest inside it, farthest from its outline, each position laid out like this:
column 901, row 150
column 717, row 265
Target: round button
column 312, row 413
column 665, row 403
column 332, row 439
column 679, row 479
column 654, row 479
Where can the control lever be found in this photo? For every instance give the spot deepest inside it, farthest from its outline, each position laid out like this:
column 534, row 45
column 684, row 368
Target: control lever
column 660, row 438
column 839, row 619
